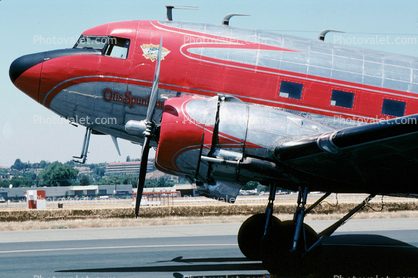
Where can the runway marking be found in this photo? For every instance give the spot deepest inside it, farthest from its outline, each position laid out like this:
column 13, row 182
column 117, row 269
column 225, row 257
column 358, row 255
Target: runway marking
column 112, row 247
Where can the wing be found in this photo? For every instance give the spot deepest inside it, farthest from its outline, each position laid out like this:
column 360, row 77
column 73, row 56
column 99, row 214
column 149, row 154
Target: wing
column 374, row 158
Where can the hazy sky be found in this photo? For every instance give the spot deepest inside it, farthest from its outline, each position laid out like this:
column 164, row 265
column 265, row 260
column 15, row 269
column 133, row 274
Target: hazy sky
column 26, row 26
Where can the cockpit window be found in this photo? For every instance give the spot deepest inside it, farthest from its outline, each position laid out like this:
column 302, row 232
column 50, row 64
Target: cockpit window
column 109, row 46
column 92, row 42
column 117, row 48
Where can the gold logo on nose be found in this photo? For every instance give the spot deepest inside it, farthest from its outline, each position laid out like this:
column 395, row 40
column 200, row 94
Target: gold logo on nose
column 151, row 51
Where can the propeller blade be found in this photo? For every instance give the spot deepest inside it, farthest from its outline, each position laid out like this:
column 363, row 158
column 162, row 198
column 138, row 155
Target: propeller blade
column 142, row 174
column 154, row 89
column 149, row 132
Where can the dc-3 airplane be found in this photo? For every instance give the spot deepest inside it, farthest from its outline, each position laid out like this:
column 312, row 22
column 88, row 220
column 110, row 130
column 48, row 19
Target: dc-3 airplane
column 224, row 105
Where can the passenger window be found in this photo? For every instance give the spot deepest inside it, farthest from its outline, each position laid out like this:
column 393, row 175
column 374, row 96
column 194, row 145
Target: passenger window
column 117, row 48
column 291, row 90
column 393, row 108
column 342, row 99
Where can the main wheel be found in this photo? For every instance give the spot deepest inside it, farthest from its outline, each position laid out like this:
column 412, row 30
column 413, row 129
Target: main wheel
column 251, row 233
column 276, row 251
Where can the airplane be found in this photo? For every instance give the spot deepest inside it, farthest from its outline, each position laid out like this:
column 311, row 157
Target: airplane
column 225, row 105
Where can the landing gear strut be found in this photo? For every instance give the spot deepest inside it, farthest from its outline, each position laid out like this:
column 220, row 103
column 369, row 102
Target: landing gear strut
column 82, row 158
column 254, row 228
column 282, row 248
column 287, row 247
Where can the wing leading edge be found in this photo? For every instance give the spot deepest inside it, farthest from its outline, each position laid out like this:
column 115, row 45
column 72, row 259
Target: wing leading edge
column 377, row 158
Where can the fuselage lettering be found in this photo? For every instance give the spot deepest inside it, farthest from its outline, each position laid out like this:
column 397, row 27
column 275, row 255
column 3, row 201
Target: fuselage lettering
column 128, row 99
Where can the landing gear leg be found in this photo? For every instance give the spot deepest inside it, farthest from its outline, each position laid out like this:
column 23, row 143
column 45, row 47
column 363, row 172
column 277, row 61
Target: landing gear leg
column 283, row 245
column 330, row 230
column 269, row 208
column 82, row 158
column 254, row 228
column 299, row 216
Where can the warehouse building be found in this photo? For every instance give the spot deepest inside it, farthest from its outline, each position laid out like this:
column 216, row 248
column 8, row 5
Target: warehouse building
column 18, row 193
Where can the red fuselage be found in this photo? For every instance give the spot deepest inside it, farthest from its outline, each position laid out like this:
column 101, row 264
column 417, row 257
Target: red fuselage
column 250, row 65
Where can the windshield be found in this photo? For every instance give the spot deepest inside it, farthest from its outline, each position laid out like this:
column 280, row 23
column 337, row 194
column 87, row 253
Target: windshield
column 91, row 42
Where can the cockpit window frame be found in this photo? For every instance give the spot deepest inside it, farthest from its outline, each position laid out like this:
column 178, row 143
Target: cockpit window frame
column 116, row 41
column 108, row 44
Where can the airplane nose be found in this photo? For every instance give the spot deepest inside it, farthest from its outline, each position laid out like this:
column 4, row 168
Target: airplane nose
column 25, row 73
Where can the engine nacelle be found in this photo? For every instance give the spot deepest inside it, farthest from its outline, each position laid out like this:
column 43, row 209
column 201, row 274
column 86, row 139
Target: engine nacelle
column 223, row 142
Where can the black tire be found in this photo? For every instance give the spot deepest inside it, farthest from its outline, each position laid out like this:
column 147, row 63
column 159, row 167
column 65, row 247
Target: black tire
column 251, row 234
column 276, row 252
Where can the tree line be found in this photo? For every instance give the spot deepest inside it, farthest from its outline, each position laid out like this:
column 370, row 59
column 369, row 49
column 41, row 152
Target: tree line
column 23, row 174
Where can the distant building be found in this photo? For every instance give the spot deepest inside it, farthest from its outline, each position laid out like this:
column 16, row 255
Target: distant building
column 82, row 170
column 70, row 191
column 126, row 168
column 184, row 189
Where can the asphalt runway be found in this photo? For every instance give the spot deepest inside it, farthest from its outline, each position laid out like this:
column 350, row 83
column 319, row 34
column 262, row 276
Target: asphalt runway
column 386, row 247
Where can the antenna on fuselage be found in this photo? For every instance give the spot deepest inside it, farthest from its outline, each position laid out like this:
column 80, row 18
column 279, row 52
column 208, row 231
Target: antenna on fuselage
column 321, row 35
column 170, row 10
column 225, row 20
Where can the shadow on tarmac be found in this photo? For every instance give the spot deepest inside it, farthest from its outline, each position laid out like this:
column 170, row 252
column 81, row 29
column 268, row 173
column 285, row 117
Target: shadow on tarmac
column 343, row 256
column 368, row 256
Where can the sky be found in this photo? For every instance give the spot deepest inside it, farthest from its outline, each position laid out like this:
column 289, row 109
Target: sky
column 32, row 133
